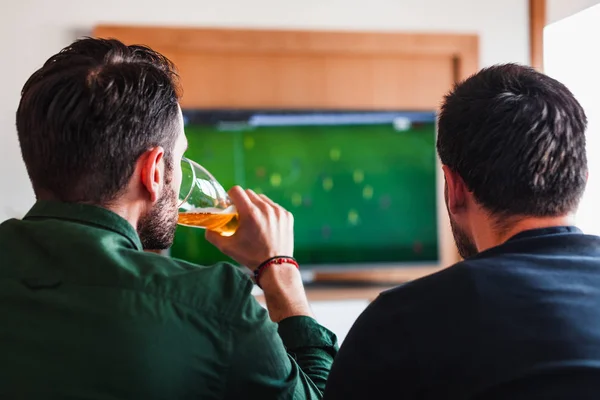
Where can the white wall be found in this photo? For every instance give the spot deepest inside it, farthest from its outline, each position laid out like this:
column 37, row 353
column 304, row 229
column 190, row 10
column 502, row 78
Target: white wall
column 570, row 57
column 560, row 9
column 32, row 30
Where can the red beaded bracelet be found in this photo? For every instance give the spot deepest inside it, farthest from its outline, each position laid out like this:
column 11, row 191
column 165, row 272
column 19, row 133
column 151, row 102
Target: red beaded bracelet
column 274, row 260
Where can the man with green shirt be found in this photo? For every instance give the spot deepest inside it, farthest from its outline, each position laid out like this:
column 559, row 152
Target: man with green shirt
column 85, row 313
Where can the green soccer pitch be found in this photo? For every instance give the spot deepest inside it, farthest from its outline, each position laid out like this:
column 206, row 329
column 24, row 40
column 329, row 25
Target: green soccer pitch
column 359, row 193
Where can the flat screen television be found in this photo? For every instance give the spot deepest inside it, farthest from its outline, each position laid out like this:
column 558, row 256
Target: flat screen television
column 361, row 184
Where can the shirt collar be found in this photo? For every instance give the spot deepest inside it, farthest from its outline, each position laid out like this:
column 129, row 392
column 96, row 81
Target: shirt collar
column 554, row 230
column 88, row 215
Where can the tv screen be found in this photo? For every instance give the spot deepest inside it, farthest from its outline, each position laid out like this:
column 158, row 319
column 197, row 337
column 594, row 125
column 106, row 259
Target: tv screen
column 361, row 185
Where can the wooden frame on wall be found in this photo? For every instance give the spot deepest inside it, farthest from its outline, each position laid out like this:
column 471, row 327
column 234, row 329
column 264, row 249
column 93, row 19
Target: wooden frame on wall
column 537, row 22
column 292, row 69
column 247, row 68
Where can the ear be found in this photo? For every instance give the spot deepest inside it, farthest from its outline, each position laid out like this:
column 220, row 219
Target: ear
column 153, row 172
column 456, row 191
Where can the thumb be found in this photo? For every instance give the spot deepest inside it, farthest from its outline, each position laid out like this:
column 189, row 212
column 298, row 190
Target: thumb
column 215, row 239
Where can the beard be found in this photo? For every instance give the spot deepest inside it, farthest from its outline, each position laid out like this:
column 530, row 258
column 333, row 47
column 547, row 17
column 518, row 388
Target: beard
column 156, row 227
column 464, row 243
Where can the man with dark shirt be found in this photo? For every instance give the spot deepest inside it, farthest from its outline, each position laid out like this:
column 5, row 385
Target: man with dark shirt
column 84, row 312
column 519, row 318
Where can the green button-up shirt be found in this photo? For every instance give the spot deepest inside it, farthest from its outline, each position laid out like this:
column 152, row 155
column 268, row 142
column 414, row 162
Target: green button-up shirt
column 86, row 314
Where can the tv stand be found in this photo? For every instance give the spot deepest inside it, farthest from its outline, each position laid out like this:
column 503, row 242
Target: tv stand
column 334, row 285
column 339, row 291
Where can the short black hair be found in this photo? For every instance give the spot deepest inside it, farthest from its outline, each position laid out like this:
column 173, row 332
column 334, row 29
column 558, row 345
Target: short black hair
column 90, row 112
column 517, row 139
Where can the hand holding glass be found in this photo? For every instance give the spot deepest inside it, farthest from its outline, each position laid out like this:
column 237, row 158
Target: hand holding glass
column 203, row 203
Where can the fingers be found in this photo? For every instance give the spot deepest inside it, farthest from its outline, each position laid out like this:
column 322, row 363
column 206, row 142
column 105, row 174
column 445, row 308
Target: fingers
column 246, row 200
column 277, row 206
column 265, row 229
column 215, row 239
column 269, row 201
column 259, row 202
column 240, row 199
column 254, row 198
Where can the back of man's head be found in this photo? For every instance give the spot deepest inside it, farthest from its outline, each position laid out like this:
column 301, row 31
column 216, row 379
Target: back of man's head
column 88, row 114
column 517, row 139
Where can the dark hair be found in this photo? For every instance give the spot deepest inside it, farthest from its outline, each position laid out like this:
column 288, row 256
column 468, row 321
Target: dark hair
column 517, row 139
column 90, row 112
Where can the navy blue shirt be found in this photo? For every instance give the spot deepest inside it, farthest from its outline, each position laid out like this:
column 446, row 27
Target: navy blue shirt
column 518, row 321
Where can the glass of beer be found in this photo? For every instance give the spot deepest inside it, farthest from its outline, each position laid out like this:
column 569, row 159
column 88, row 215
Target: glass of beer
column 203, row 203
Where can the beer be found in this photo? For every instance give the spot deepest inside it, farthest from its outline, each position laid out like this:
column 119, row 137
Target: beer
column 224, row 222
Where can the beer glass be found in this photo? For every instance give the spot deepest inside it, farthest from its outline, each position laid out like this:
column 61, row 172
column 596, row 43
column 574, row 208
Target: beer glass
column 203, row 203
